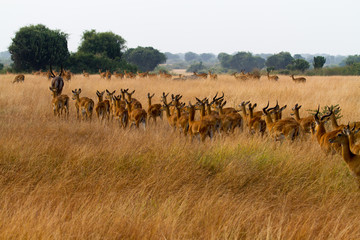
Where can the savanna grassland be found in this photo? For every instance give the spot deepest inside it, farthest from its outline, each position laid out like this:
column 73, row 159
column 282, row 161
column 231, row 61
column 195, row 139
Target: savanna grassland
column 65, row 179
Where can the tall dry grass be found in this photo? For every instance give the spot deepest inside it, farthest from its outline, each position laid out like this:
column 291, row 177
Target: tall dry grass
column 68, row 179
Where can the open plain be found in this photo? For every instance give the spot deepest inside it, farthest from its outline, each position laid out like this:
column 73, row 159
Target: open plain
column 66, row 179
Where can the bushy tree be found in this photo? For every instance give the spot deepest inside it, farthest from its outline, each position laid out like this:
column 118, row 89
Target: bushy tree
column 298, row 56
column 190, row 57
column 197, row 67
column 106, row 44
column 299, row 64
column 206, row 57
column 279, row 61
column 350, row 60
column 241, row 61
column 319, row 62
column 146, row 58
column 1, row 66
column 171, row 56
column 34, row 47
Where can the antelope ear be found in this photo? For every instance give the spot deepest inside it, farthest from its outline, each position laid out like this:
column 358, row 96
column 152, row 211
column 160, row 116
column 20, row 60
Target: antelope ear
column 255, row 105
column 113, row 91
column 79, row 90
column 107, row 91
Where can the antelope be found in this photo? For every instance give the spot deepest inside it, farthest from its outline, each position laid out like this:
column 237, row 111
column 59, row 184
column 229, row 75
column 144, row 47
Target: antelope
column 109, row 97
column 121, row 113
column 102, row 108
column 239, row 77
column 182, row 119
column 298, row 79
column 143, row 75
column 57, row 82
column 217, row 101
column 272, row 78
column 226, row 121
column 152, row 75
column 172, row 118
column 85, row 74
column 59, row 103
column 256, row 123
column 19, row 78
column 164, row 74
column 108, row 75
column 134, row 102
column 136, row 116
column 212, row 76
column 352, row 160
column 305, row 123
column 213, row 120
column 37, row 72
column 201, row 75
column 118, row 75
column 322, row 136
column 67, row 75
column 129, row 74
column 84, row 105
column 198, row 128
column 154, row 110
column 102, row 74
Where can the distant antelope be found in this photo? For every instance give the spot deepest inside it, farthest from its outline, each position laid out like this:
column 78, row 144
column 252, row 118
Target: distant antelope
column 57, row 82
column 108, row 75
column 102, row 74
column 154, row 110
column 201, row 75
column 272, row 78
column 136, row 116
column 240, row 77
column 84, row 105
column 102, row 108
column 85, row 74
column 199, row 128
column 60, row 103
column 118, row 75
column 19, row 78
column 121, row 113
column 212, row 76
column 298, row 79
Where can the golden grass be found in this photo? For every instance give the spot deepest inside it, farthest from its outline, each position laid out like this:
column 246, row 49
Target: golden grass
column 68, row 179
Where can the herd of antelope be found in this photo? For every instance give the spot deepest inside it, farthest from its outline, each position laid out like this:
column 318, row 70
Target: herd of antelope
column 214, row 120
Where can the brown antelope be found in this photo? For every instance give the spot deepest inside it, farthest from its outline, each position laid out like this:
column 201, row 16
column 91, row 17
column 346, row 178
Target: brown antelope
column 272, row 78
column 85, row 74
column 214, row 120
column 83, row 105
column 198, row 128
column 134, row 102
column 67, row 75
column 154, row 110
column 201, row 75
column 212, row 76
column 217, row 101
column 109, row 97
column 121, row 113
column 305, row 123
column 129, row 74
column 322, row 136
column 143, row 75
column 164, row 74
column 118, row 75
column 108, row 75
column 182, row 119
column 240, row 77
column 19, row 78
column 298, row 79
column 152, row 75
column 102, row 108
column 352, row 160
column 38, row 72
column 60, row 103
column 136, row 116
column 256, row 123
column 172, row 118
column 57, row 82
column 102, row 74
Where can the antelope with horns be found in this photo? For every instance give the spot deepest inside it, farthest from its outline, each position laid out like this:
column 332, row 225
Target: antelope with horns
column 83, row 105
column 57, row 82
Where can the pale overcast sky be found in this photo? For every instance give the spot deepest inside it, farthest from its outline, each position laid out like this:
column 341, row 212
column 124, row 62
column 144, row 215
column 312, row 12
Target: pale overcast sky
column 257, row 26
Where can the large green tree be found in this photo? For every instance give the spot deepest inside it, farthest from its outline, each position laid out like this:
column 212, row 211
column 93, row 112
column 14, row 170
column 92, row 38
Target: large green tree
column 106, row 44
column 319, row 61
column 191, row 57
column 299, row 64
column 279, row 61
column 146, row 58
column 351, row 60
column 241, row 61
column 34, row 47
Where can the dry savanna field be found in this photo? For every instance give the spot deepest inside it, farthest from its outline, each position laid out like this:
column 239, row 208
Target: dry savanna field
column 66, row 179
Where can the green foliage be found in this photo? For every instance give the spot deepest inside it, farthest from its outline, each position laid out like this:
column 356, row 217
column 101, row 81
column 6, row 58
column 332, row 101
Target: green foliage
column 353, row 69
column 105, row 44
column 197, row 67
column 299, row 64
column 207, row 57
column 241, row 61
column 191, row 57
column 34, row 47
column 298, row 56
column 171, row 56
column 91, row 63
column 319, row 62
column 326, row 110
column 146, row 58
column 162, row 68
column 351, row 60
column 1, row 66
column 279, row 61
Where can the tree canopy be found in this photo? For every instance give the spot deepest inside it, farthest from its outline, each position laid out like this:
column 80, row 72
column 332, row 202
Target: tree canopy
column 146, row 58
column 34, row 47
column 350, row 60
column 299, row 64
column 279, row 61
column 241, row 61
column 106, row 44
column 319, row 61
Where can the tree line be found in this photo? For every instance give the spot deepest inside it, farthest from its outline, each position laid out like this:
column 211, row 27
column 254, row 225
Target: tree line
column 35, row 47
